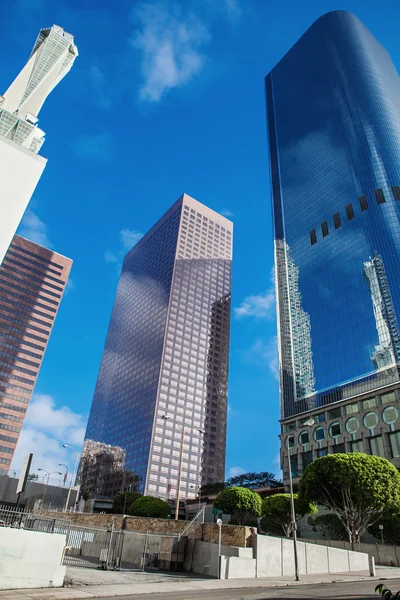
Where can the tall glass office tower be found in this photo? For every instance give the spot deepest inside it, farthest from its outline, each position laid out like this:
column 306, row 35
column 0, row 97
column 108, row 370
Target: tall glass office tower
column 333, row 111
column 166, row 353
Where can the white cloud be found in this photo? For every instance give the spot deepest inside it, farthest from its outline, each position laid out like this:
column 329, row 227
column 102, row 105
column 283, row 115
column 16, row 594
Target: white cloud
column 227, row 213
column 97, row 147
column 259, row 306
column 128, row 239
column 100, row 86
column 232, row 10
column 234, row 471
column 69, row 286
column 33, row 229
column 171, row 43
column 46, row 429
column 265, row 353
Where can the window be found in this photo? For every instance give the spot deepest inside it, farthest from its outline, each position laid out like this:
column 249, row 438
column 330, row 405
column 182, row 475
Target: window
column 396, row 191
column 304, row 438
column 335, row 430
column 390, row 397
column 324, row 229
column 295, row 466
column 352, row 425
column 320, row 418
column 376, row 445
column 339, row 449
column 319, row 434
column 307, row 458
column 390, row 415
column 363, row 202
column 322, row 452
column 337, row 220
column 290, row 426
column 370, row 420
column 351, row 408
column 380, row 199
column 290, row 441
column 335, row 413
column 370, row 403
column 313, row 237
column 350, row 212
column 395, row 443
column 357, row 446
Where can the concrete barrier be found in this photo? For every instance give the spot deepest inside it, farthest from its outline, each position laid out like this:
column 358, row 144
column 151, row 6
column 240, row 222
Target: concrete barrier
column 202, row 557
column 30, row 559
column 383, row 554
column 275, row 557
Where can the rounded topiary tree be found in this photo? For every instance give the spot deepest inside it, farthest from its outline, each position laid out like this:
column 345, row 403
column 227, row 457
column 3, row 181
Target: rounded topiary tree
column 241, row 503
column 356, row 487
column 147, row 506
column 277, row 516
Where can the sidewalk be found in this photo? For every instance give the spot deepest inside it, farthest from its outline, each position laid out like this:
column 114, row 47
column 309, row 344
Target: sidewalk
column 102, row 584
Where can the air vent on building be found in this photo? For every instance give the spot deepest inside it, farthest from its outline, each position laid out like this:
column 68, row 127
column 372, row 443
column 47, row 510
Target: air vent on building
column 337, row 220
column 313, row 237
column 324, row 229
column 396, row 191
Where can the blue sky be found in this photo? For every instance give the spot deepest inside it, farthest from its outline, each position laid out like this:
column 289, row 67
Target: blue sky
column 165, row 97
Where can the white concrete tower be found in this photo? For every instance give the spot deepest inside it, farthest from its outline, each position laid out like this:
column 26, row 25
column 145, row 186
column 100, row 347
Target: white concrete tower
column 21, row 166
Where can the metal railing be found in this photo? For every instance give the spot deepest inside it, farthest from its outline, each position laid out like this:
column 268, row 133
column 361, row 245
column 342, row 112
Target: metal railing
column 13, row 516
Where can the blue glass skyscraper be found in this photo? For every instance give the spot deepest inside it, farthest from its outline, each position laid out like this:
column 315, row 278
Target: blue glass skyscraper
column 166, row 354
column 333, row 112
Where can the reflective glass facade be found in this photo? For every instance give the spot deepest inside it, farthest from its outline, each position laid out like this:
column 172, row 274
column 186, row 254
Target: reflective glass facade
column 333, row 110
column 166, row 353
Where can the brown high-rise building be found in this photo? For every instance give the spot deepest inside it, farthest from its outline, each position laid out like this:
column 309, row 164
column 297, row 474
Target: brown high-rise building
column 32, row 282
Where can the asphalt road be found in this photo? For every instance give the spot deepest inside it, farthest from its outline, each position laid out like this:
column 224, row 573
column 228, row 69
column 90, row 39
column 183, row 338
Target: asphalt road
column 361, row 590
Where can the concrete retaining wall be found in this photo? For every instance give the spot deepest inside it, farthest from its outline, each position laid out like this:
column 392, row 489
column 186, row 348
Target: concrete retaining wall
column 30, row 559
column 275, row 558
column 383, row 554
column 232, row 535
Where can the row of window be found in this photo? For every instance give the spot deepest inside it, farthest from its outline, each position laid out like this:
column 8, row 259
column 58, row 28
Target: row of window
column 370, row 420
column 36, row 256
column 19, row 359
column 19, row 349
column 5, row 461
column 7, row 427
column 10, row 417
column 18, row 369
column 363, row 201
column 22, row 333
column 348, row 409
column 6, row 449
column 18, row 340
column 27, row 283
column 27, row 316
column 22, row 288
column 27, row 301
column 7, row 259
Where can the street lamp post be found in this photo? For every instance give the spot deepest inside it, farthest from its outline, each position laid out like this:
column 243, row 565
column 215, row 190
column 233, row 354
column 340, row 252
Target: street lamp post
column 47, row 482
column 307, row 423
column 183, row 431
column 73, row 474
column 219, row 523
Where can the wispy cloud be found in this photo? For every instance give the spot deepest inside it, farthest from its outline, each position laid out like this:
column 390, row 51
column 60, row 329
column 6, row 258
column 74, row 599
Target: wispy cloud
column 259, row 306
column 33, row 229
column 46, row 428
column 264, row 353
column 232, row 9
column 171, row 43
column 128, row 239
column 101, row 87
column 234, row 471
column 97, row 147
column 227, row 213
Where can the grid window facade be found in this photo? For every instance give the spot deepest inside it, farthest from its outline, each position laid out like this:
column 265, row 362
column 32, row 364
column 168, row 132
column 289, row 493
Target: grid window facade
column 24, row 274
column 186, row 331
